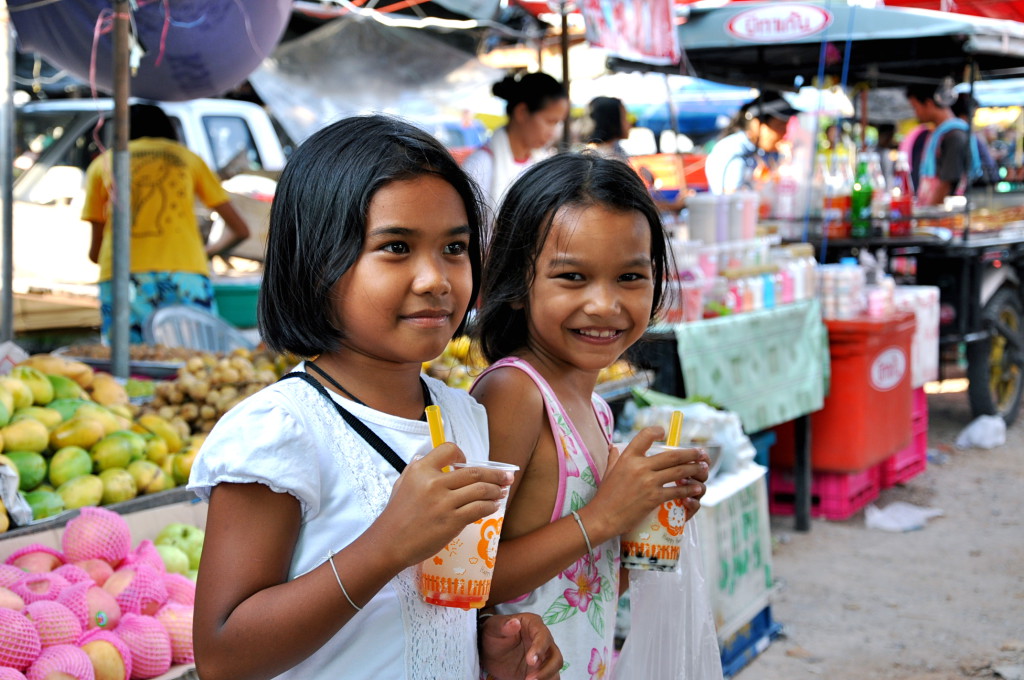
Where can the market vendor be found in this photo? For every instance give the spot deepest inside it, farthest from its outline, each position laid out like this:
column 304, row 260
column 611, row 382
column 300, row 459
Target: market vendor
column 748, row 143
column 537, row 106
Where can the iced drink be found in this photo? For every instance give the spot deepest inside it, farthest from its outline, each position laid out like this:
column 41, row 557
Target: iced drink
column 460, row 574
column 654, row 543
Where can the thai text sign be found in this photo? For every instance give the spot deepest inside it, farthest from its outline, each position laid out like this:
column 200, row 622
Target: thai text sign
column 779, row 22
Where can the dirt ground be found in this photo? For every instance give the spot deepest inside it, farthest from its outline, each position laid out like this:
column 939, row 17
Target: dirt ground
column 943, row 602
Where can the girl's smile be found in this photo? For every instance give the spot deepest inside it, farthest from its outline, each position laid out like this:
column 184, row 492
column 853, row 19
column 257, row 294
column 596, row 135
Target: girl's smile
column 593, row 291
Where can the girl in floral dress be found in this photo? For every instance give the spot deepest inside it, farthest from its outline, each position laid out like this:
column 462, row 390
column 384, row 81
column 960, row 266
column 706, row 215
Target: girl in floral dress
column 572, row 278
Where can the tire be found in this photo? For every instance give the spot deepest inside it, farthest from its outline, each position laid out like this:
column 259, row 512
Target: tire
column 995, row 366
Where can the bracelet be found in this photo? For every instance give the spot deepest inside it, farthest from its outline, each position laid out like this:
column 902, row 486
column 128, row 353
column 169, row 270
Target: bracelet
column 576, row 516
column 330, row 560
column 481, row 618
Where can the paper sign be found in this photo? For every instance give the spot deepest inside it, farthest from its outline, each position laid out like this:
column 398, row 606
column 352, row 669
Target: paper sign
column 10, row 356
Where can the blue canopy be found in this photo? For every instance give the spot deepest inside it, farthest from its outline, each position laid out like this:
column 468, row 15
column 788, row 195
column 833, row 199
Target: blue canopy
column 702, row 108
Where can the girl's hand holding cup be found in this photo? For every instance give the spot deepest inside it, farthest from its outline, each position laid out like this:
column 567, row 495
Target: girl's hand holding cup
column 428, row 506
column 636, row 483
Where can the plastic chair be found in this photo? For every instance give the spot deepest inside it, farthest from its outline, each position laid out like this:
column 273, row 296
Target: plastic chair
column 182, row 326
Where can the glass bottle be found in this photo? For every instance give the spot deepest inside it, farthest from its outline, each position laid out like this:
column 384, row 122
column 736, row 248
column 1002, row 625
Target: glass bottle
column 860, row 201
column 901, row 208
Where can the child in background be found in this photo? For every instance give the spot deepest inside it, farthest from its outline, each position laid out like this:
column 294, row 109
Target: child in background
column 313, row 530
column 572, row 278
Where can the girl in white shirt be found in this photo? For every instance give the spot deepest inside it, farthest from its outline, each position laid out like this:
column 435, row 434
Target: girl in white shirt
column 313, row 533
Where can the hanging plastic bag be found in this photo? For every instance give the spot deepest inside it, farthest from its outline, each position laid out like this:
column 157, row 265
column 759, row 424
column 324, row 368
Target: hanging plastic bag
column 672, row 631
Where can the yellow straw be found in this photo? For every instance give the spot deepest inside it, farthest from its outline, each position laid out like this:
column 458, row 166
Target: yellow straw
column 675, row 429
column 436, row 425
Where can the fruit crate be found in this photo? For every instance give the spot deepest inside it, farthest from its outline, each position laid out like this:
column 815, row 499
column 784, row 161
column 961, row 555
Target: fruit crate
column 913, row 460
column 745, row 644
column 834, row 495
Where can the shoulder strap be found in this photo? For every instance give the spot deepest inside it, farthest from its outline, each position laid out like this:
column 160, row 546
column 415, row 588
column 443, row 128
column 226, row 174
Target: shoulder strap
column 379, row 445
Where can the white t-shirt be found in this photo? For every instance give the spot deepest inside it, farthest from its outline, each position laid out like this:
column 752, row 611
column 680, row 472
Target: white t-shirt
column 288, row 437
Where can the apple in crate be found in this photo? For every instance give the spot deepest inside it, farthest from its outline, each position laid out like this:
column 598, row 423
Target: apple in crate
column 186, row 537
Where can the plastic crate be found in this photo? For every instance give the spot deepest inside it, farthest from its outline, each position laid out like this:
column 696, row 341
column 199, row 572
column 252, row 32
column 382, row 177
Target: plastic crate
column 236, row 303
column 913, row 460
column 762, row 442
column 834, row 495
column 744, row 645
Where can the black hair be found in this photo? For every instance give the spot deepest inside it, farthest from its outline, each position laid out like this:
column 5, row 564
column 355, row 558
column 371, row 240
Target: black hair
column 536, row 90
column 523, row 223
column 318, row 222
column 922, row 92
column 964, row 106
column 606, row 117
column 149, row 120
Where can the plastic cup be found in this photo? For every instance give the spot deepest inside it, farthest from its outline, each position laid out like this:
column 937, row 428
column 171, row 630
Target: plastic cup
column 459, row 575
column 654, row 543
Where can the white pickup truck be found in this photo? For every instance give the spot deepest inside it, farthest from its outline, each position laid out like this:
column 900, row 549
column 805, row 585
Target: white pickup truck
column 56, row 140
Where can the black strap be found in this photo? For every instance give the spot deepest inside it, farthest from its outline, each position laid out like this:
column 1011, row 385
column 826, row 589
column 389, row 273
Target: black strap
column 359, row 426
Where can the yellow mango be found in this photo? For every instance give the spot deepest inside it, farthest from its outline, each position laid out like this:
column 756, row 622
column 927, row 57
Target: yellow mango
column 118, row 486
column 111, row 421
column 21, row 395
column 149, row 478
column 49, row 417
column 107, row 391
column 37, row 382
column 162, row 429
column 83, row 431
column 81, row 491
column 111, row 452
column 52, row 364
column 25, row 435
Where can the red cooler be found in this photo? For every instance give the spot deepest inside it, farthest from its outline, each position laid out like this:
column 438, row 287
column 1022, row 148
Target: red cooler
column 867, row 414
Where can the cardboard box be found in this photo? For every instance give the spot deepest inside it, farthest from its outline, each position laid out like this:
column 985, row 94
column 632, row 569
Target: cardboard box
column 144, row 524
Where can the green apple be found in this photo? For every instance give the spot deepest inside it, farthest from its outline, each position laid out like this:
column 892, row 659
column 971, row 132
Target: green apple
column 186, row 537
column 175, row 559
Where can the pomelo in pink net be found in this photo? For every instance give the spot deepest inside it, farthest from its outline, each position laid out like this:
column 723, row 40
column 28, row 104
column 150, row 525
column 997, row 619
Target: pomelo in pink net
column 66, row 659
column 11, row 600
column 57, row 625
column 9, row 574
column 94, row 607
column 97, row 533
column 149, row 643
column 40, row 586
column 19, row 640
column 138, row 589
column 111, row 658
column 177, row 621
column 11, row 674
column 72, row 573
column 35, row 558
column 180, row 589
column 145, row 553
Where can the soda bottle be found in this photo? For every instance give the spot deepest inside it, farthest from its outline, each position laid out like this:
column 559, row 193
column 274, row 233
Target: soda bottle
column 902, row 206
column 860, row 201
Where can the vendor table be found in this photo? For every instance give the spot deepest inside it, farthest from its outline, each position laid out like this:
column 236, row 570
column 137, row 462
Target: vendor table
column 768, row 366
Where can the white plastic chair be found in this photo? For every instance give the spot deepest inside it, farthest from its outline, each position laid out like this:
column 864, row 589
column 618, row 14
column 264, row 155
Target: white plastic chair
column 182, row 326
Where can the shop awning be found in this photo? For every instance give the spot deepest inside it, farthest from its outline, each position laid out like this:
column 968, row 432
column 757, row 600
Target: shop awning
column 784, row 44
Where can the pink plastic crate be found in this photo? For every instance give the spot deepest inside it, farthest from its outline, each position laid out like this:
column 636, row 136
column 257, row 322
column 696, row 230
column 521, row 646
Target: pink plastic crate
column 834, row 495
column 919, row 404
column 911, row 461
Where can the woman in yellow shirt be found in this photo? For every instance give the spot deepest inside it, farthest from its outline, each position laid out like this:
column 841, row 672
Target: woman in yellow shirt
column 169, row 262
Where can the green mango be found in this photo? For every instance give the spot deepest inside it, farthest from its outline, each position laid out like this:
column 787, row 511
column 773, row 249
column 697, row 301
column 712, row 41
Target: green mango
column 67, row 407
column 135, row 441
column 68, row 463
column 64, row 387
column 81, row 491
column 37, row 382
column 5, row 412
column 111, row 452
column 44, row 503
column 31, row 468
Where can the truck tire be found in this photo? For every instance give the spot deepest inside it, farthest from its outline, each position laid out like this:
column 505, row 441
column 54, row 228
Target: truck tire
column 995, row 366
